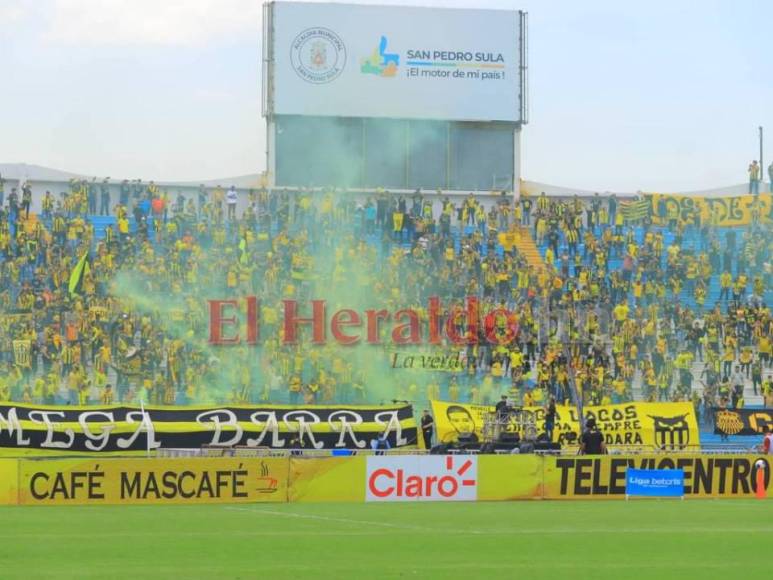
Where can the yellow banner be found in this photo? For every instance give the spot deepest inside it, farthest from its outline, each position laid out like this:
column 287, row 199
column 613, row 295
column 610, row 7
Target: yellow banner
column 718, row 211
column 603, row 477
column 509, row 477
column 9, row 479
column 328, row 479
column 669, row 426
column 152, row 481
column 344, row 479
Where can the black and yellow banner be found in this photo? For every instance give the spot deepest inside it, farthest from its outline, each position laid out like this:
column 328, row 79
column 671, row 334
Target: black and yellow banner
column 668, row 426
column 740, row 210
column 742, row 421
column 116, row 429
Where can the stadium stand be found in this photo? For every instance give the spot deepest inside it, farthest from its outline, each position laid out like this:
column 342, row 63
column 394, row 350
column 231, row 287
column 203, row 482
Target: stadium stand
column 112, row 307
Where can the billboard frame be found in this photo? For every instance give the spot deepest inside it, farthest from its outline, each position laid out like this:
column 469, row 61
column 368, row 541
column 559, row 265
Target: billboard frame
column 268, row 91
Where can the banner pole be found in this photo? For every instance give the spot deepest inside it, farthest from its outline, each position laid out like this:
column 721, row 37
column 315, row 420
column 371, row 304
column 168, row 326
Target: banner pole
column 147, row 436
column 760, row 491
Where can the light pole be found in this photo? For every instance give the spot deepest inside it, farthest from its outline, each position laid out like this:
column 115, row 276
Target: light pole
column 762, row 161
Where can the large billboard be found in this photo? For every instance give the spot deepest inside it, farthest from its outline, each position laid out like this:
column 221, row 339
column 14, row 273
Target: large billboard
column 398, row 62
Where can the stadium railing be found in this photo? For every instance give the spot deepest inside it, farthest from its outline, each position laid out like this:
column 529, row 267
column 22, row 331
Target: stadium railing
column 244, row 451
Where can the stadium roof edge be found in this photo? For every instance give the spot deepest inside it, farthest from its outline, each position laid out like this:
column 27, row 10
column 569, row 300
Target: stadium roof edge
column 33, row 172
column 535, row 188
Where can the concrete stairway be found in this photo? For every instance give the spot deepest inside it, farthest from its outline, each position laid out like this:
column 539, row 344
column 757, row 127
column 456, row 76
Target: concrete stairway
column 528, row 248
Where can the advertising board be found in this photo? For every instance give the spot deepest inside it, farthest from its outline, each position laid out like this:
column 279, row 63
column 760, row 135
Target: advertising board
column 422, row 478
column 401, row 62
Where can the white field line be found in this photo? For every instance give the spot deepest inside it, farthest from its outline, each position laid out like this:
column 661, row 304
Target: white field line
column 709, row 529
column 189, row 534
column 330, row 519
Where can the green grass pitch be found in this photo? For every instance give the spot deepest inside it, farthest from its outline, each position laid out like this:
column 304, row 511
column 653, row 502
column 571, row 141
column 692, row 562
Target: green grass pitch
column 539, row 539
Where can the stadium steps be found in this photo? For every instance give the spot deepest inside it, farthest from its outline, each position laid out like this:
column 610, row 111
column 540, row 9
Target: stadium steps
column 528, row 248
column 750, row 399
column 101, row 224
column 29, row 223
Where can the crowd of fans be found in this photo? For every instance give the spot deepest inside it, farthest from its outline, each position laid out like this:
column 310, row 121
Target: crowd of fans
column 620, row 308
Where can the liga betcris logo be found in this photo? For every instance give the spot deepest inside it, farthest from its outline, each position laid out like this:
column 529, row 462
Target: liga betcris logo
column 423, row 478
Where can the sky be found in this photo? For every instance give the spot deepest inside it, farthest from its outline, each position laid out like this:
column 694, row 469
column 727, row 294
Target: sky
column 657, row 96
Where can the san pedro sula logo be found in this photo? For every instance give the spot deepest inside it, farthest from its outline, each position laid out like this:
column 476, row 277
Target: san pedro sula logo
column 381, row 62
column 238, row 321
column 318, row 55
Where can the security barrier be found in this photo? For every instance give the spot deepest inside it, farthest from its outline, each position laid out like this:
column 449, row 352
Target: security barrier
column 327, row 479
column 371, row 478
column 9, row 481
column 510, row 477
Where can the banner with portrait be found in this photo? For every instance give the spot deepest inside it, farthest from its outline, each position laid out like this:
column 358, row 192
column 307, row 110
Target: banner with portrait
column 669, row 426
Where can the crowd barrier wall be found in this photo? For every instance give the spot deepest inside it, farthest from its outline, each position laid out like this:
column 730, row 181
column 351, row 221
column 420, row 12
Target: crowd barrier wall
column 9, row 481
column 109, row 480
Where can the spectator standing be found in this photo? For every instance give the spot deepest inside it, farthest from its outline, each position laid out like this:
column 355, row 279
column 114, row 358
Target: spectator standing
column 592, row 441
column 721, row 407
column 26, row 199
column 47, row 205
column 754, row 178
column 381, row 444
column 137, row 189
column 737, row 394
column 612, row 208
column 124, row 193
column 526, row 204
column 767, row 392
column 104, row 197
column 550, row 418
column 217, row 198
column 770, row 180
column 13, row 205
column 756, row 369
column 767, row 442
column 231, row 199
column 202, row 199
column 427, row 428
column 92, row 196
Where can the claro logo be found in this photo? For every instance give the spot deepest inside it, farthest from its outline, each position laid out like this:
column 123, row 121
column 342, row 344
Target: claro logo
column 427, row 478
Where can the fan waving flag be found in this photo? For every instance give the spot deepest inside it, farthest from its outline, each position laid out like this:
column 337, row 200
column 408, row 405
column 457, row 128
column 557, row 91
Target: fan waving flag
column 78, row 272
column 243, row 251
column 636, row 210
